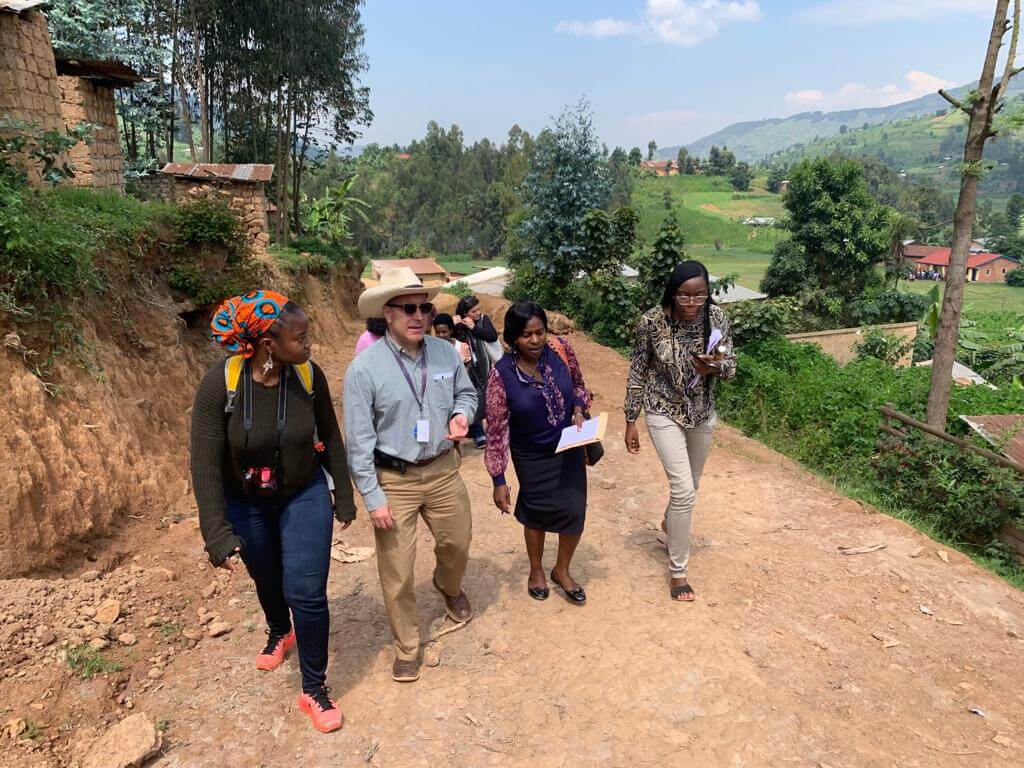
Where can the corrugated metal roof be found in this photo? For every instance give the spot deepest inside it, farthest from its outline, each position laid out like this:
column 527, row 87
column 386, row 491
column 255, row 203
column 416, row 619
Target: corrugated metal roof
column 254, row 172
column 17, row 6
column 737, row 293
column 419, row 266
column 1005, row 432
column 113, row 73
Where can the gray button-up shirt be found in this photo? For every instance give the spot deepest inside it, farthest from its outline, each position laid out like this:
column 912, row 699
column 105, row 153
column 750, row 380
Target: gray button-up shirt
column 381, row 411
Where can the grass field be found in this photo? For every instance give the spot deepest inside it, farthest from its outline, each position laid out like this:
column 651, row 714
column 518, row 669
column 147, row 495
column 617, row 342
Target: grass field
column 751, row 266
column 707, row 209
column 979, row 297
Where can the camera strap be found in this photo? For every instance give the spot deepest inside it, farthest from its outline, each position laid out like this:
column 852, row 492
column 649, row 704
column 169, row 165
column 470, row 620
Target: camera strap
column 247, row 413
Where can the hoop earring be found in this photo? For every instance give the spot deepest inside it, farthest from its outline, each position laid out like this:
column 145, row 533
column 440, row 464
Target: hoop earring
column 269, row 365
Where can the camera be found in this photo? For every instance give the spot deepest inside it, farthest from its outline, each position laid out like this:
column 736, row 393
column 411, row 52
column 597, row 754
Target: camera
column 260, row 481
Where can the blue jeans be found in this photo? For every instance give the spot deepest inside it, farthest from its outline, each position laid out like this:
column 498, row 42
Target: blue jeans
column 288, row 554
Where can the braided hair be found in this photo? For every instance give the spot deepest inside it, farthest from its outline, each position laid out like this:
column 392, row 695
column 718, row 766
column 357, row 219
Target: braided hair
column 687, row 270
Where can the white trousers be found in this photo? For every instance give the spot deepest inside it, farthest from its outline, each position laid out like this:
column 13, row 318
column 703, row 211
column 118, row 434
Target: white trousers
column 683, row 453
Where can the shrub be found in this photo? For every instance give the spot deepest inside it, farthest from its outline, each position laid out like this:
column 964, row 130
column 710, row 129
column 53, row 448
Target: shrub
column 961, row 494
column 460, row 289
column 1015, row 277
column 213, row 254
column 887, row 347
column 52, row 241
column 207, row 222
column 760, row 320
column 877, row 307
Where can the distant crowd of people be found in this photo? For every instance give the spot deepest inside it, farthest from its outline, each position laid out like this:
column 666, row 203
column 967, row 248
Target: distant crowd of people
column 273, row 470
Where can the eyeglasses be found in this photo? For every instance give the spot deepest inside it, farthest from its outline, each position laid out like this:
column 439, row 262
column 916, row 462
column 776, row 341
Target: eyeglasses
column 410, row 309
column 700, row 298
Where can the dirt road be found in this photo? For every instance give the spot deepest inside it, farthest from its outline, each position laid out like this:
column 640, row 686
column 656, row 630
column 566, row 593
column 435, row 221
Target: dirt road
column 793, row 654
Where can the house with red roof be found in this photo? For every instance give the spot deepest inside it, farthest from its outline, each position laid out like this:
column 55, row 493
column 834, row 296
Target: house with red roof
column 982, row 267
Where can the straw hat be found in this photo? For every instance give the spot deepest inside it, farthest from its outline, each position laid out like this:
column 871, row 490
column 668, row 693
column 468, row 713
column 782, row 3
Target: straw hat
column 400, row 281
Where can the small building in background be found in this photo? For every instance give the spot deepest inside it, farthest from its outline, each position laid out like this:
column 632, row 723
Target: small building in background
column 661, row 167
column 981, row 267
column 243, row 185
column 428, row 271
column 87, row 96
column 783, row 186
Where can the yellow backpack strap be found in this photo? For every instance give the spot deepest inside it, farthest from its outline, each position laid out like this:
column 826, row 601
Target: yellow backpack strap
column 305, row 374
column 232, row 375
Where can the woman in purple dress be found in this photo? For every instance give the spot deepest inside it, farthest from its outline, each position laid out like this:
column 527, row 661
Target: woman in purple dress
column 534, row 392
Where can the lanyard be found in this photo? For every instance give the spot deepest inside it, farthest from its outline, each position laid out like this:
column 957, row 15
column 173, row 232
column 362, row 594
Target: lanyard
column 408, row 379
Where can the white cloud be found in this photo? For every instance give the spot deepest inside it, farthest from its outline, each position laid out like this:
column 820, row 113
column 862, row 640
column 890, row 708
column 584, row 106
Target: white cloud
column 676, row 22
column 864, row 12
column 596, row 28
column 857, row 95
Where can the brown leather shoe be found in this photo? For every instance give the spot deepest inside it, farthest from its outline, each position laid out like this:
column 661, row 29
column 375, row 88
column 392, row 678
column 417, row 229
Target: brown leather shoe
column 458, row 608
column 405, row 670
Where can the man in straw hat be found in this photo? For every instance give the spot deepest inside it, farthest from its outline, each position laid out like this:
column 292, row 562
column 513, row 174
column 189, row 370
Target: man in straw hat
column 408, row 399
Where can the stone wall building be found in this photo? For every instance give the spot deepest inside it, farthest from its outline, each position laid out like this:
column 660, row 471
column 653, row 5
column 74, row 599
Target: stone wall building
column 243, row 185
column 87, row 96
column 28, row 74
column 56, row 94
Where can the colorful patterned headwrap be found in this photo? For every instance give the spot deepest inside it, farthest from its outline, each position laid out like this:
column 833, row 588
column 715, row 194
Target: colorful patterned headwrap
column 243, row 319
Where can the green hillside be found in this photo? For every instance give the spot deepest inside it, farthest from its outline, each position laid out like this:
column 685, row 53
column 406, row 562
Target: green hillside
column 756, row 140
column 904, row 144
column 707, row 209
column 928, row 149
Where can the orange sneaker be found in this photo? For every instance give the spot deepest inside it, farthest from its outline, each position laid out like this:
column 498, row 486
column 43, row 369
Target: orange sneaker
column 273, row 655
column 322, row 710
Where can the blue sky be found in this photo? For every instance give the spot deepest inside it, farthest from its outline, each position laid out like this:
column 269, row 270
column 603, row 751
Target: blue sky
column 671, row 70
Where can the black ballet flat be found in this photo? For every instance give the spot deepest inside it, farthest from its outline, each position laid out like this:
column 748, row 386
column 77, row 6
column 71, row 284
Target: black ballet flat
column 538, row 593
column 576, row 596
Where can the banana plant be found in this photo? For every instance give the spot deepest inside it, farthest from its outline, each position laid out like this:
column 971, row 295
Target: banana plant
column 332, row 215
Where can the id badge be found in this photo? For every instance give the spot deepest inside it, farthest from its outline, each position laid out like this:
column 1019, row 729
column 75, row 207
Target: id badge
column 423, row 431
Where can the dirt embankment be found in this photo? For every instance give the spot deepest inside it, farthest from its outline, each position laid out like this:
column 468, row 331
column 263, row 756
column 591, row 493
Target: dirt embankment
column 112, row 440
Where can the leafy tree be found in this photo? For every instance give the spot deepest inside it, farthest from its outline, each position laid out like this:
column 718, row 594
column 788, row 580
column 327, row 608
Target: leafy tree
column 635, row 157
column 787, row 273
column 652, row 147
column 842, row 230
column 901, row 229
column 843, row 129
column 776, row 175
column 618, row 157
column 332, row 215
column 567, row 179
column 720, row 161
column 681, row 158
column 609, row 238
column 656, row 265
column 1015, row 209
column 741, row 176
column 1015, row 277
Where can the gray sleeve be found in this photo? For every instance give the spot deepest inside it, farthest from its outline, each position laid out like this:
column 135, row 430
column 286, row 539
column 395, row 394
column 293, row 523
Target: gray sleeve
column 361, row 438
column 465, row 392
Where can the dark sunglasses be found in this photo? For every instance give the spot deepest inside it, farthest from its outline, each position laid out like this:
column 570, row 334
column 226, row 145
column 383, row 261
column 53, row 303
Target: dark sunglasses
column 410, row 309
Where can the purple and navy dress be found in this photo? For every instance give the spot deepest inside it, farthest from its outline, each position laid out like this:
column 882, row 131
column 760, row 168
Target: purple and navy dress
column 525, row 418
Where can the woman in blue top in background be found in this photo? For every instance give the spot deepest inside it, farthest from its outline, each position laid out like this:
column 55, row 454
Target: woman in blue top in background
column 534, row 392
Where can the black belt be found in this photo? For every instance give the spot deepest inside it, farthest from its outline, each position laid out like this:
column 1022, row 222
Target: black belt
column 401, row 465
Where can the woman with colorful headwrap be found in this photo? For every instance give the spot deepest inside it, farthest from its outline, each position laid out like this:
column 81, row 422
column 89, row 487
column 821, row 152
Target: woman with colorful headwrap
column 266, row 447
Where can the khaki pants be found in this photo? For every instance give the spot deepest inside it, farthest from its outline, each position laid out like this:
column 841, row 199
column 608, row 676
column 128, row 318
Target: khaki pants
column 438, row 493
column 683, row 453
